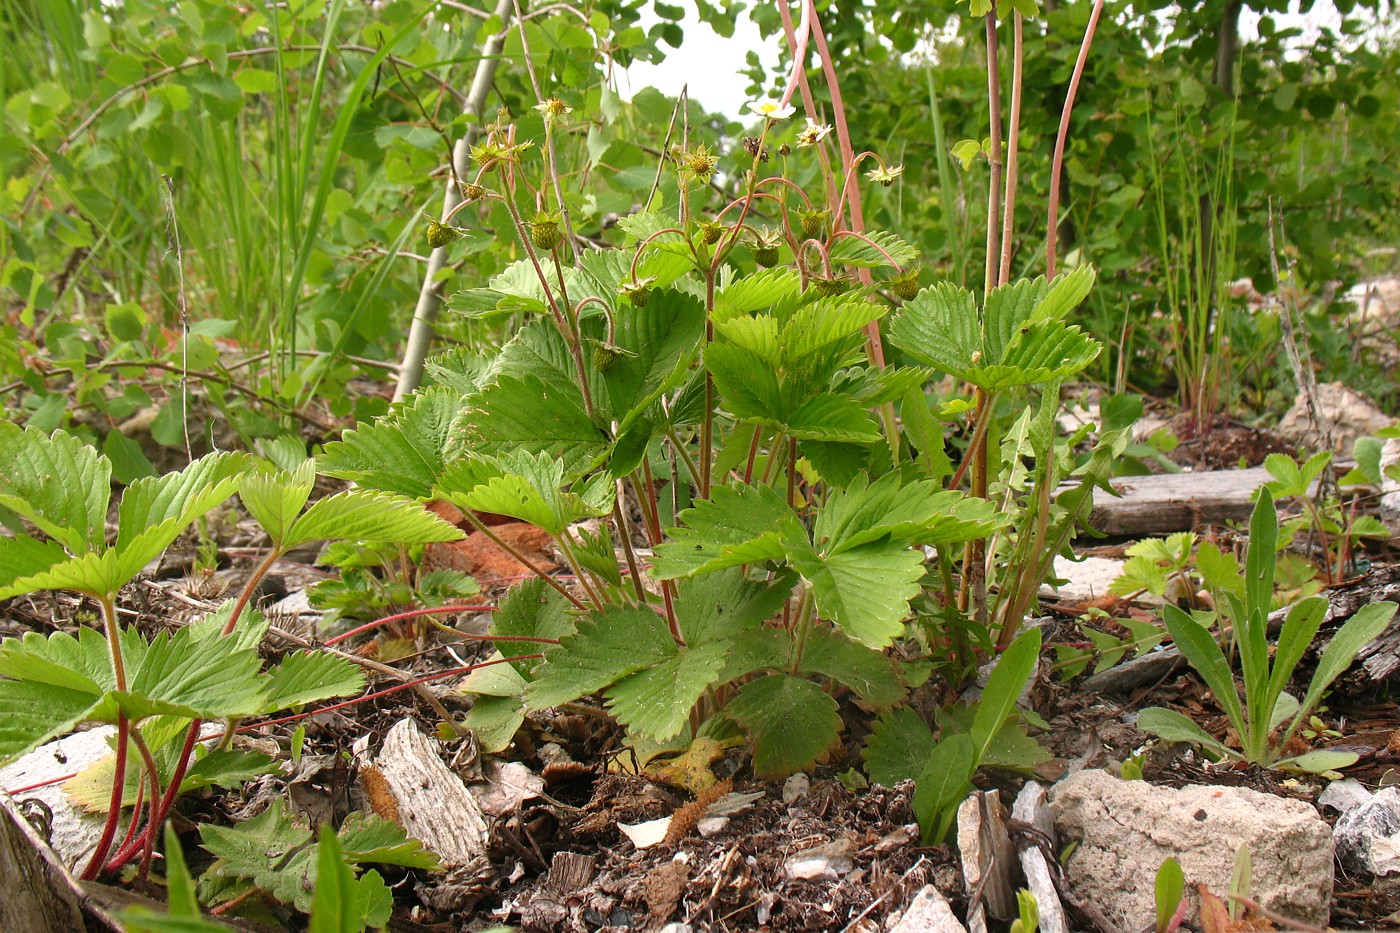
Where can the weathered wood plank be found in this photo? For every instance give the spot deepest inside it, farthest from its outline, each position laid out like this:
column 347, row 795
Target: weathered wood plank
column 39, row 892
column 1176, row 501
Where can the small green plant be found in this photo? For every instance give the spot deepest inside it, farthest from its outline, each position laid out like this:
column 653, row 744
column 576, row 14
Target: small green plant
column 1334, row 528
column 154, row 690
column 1264, row 716
column 1028, row 913
column 1168, row 891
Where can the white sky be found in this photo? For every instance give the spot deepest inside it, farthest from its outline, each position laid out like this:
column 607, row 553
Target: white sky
column 712, row 65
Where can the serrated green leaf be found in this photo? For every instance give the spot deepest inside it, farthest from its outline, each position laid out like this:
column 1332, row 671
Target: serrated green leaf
column 494, row 720
column 341, row 902
column 1066, row 292
column 655, row 703
column 31, row 713
column 608, row 646
column 524, row 413
column 56, row 482
column 364, row 515
column 738, row 524
column 23, row 556
column 747, row 384
column 401, row 453
column 774, row 289
column 724, row 604
column 522, row 485
column 275, row 499
column 790, row 720
column 532, row 609
column 370, row 839
column 307, row 676
column 826, row 321
column 868, row 672
column 173, row 501
column 854, row 251
column 939, row 327
column 865, row 590
column 225, row 767
column 915, row 513
column 898, row 748
column 828, row 417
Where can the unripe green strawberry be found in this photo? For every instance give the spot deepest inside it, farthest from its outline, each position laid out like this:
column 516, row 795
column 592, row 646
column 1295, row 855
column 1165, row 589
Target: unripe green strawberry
column 711, row 231
column 813, row 223
column 638, row 292
column 545, row 233
column 605, row 357
column 765, row 256
column 439, row 234
column 906, row 284
column 828, row 288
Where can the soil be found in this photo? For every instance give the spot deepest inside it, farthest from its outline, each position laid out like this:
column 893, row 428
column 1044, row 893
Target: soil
column 560, row 863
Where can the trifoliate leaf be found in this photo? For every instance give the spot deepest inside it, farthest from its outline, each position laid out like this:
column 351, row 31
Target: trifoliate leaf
column 362, row 515
column 402, row 453
column 790, row 720
column 56, row 482
column 738, row 524
column 656, row 703
column 275, row 499
column 609, row 645
column 915, row 513
column 865, row 590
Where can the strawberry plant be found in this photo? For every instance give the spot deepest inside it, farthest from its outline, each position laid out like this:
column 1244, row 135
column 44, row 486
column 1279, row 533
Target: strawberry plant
column 155, row 689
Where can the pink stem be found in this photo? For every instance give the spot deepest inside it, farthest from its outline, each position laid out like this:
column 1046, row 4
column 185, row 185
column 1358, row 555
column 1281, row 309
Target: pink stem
column 1057, row 163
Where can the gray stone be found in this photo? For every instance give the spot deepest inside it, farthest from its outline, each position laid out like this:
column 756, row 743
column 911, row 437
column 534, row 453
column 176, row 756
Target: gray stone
column 1367, row 835
column 1125, row 829
column 1031, row 808
column 1144, row 669
column 1390, row 489
column 928, row 912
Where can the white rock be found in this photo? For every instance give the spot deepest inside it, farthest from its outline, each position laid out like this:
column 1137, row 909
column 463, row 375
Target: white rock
column 829, row 862
column 1351, row 414
column 1030, row 808
column 795, row 788
column 1125, row 829
column 648, row 834
column 928, row 912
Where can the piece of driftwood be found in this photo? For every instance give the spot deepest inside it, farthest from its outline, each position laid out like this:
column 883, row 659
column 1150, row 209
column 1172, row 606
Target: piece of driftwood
column 1176, row 501
column 409, row 783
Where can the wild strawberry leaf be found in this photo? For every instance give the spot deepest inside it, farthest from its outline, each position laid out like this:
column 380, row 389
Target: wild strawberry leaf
column 748, row 385
column 917, row 513
column 56, row 482
column 608, row 645
column 854, row 251
column 524, row 486
column 778, row 289
column 369, row 839
column 364, row 515
column 655, row 703
column 276, row 498
column 31, row 713
column 790, row 720
column 827, row 321
column 22, row 556
column 869, row 673
column 940, row 327
column 402, row 453
column 170, row 502
column 523, row 413
column 533, row 609
column 828, row 417
column 721, row 605
column 898, row 747
column 307, row 676
column 340, row 901
column 738, row 524
column 865, row 590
